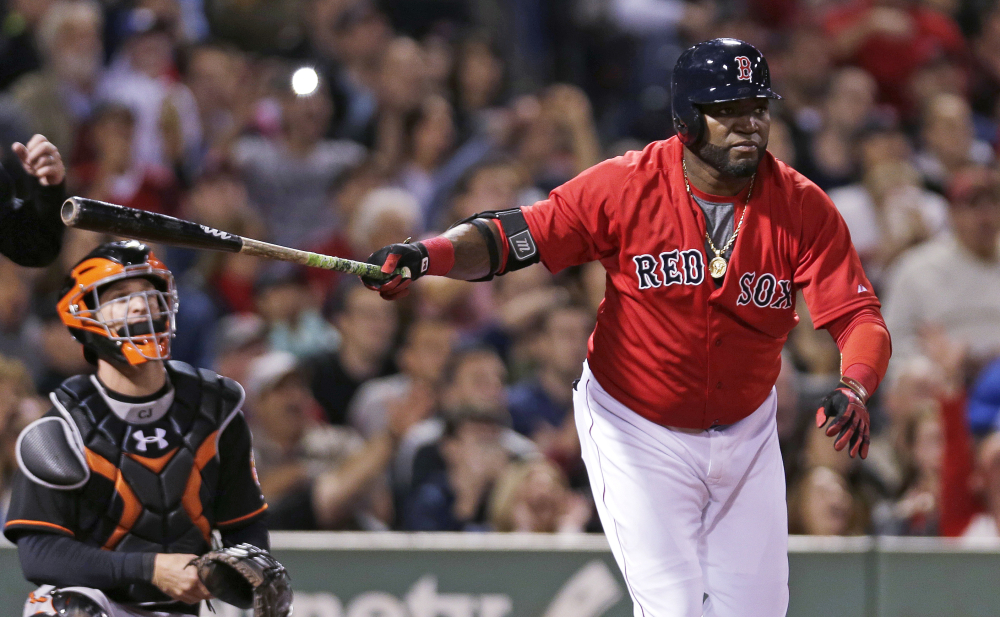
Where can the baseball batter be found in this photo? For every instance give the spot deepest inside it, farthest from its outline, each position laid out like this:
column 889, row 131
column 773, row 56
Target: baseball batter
column 122, row 483
column 706, row 239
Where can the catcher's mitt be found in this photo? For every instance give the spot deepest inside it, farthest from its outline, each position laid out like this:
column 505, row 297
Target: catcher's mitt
column 246, row 576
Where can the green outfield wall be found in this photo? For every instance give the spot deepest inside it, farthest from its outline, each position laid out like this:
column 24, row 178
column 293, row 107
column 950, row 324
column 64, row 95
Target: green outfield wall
column 521, row 575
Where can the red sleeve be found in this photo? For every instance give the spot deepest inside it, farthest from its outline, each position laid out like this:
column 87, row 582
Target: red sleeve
column 828, row 272
column 576, row 223
column 958, row 503
column 864, row 345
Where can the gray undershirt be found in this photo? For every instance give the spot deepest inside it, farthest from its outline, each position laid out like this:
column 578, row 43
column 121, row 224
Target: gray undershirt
column 719, row 224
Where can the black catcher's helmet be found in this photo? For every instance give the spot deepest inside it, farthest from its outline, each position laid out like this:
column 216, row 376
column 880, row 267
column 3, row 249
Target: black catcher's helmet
column 124, row 339
column 714, row 72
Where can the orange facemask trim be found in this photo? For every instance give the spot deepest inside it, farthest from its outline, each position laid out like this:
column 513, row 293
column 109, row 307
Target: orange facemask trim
column 81, row 309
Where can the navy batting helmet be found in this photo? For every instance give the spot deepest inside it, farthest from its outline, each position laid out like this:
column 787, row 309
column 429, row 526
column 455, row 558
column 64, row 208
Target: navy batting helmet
column 714, row 72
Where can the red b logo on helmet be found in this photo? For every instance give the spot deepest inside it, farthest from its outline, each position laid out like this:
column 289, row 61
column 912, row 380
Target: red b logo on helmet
column 743, row 64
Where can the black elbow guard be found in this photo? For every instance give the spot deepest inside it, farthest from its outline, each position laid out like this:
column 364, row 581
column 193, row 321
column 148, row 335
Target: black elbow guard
column 522, row 250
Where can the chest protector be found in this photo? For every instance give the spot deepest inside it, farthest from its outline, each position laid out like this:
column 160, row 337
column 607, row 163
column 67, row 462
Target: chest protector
column 152, row 486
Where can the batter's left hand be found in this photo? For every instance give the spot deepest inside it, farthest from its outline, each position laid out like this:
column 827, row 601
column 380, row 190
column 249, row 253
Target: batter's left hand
column 850, row 418
column 41, row 159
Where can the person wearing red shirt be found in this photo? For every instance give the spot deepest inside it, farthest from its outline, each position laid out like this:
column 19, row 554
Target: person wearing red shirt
column 706, row 239
column 892, row 40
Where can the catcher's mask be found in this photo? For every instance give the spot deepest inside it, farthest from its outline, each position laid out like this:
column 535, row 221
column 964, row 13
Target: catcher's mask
column 129, row 328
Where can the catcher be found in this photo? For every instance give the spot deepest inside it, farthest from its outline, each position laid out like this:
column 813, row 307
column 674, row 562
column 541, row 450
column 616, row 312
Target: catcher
column 122, row 484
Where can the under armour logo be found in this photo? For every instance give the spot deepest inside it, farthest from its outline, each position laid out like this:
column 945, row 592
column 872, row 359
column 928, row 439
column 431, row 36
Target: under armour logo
column 862, row 288
column 142, row 441
column 743, row 64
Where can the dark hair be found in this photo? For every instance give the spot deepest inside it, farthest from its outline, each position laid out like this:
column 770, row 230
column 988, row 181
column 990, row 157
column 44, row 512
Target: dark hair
column 462, row 355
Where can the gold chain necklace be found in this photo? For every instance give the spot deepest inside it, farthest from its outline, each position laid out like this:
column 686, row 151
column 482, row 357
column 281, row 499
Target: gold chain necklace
column 717, row 267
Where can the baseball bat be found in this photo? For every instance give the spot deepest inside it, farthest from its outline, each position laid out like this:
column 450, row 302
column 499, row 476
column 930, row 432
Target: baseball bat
column 103, row 217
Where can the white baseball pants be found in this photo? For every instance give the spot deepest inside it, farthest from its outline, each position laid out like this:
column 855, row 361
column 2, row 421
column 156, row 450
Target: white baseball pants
column 689, row 514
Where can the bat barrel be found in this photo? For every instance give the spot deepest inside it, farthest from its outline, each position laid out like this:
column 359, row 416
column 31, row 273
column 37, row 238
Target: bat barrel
column 102, row 217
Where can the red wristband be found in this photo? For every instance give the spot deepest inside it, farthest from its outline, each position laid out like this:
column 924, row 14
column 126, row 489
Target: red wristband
column 440, row 255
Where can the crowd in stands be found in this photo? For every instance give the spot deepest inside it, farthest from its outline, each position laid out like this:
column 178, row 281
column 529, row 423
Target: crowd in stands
column 344, row 125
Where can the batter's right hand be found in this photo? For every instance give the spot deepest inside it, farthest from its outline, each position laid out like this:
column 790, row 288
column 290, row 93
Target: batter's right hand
column 412, row 257
column 176, row 576
column 850, row 418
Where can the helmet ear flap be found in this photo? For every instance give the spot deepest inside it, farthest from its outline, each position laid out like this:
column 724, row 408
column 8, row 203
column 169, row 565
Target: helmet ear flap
column 689, row 125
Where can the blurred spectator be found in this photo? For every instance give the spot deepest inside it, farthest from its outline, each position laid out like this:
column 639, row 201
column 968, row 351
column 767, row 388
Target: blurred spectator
column 986, row 482
column 367, row 326
column 59, row 353
column 426, row 349
column 985, row 96
column 429, row 138
column 915, row 513
column 218, row 78
column 892, row 39
column 20, row 329
column 479, row 84
column 561, row 140
column 402, row 86
column 18, row 407
column 231, row 277
column 289, row 177
column 473, row 383
column 541, row 406
column 952, row 283
column 384, row 216
column 143, row 77
column 534, row 496
column 452, row 495
column 494, row 184
column 804, row 67
column 889, row 211
column 292, row 313
column 827, row 140
column 60, row 98
column 114, row 175
column 240, row 339
column 949, row 142
column 820, row 504
column 18, row 47
column 350, row 37
column 314, row 476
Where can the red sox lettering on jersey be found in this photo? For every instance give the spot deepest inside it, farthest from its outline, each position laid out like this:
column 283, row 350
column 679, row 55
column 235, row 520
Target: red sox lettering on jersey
column 669, row 343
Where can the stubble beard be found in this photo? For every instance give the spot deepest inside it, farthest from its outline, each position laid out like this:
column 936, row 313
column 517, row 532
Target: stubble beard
column 719, row 158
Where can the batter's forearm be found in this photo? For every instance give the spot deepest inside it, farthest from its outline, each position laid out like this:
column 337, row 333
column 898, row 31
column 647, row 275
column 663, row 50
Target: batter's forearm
column 472, row 255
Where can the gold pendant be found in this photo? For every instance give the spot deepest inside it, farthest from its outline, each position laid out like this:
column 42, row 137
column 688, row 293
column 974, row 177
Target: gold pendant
column 717, row 267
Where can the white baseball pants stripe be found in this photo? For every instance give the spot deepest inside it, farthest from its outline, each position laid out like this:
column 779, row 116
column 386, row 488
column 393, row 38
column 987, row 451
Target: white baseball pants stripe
column 689, row 514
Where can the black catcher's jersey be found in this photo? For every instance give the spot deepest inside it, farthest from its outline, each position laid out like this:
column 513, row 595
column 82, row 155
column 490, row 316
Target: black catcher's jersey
column 161, row 486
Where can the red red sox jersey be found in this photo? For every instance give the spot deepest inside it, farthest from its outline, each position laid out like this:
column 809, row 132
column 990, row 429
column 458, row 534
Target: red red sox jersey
column 669, row 343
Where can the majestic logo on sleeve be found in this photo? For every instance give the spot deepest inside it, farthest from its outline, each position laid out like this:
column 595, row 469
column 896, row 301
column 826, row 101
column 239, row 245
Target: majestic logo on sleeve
column 671, row 268
column 743, row 65
column 142, row 442
column 765, row 291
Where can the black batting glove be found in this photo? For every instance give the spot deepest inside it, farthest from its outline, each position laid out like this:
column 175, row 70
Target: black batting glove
column 851, row 423
column 411, row 257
